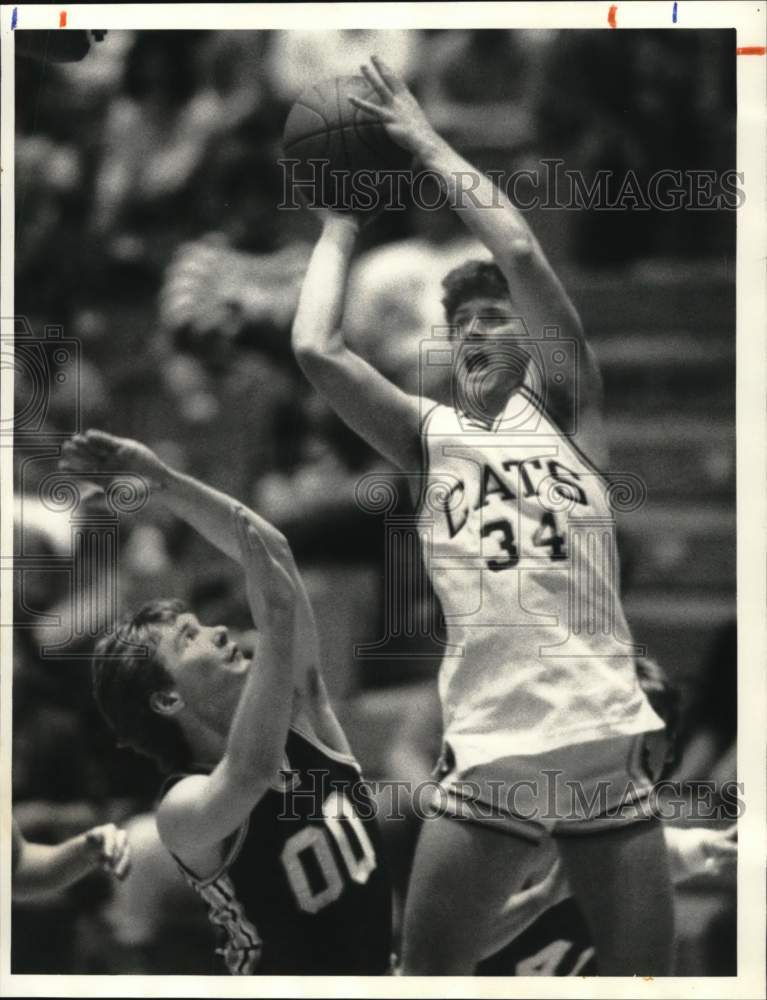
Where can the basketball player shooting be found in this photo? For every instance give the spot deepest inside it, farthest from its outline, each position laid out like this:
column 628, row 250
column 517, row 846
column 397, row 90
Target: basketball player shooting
column 264, row 810
column 535, row 693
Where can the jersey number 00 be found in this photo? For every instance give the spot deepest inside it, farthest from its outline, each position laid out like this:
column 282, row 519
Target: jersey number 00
column 310, row 850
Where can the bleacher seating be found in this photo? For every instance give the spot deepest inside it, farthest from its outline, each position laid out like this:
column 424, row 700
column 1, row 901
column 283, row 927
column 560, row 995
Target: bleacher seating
column 665, row 337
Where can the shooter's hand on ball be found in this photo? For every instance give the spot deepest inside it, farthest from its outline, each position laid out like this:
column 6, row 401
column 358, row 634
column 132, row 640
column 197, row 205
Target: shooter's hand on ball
column 109, row 848
column 399, row 112
column 97, row 451
column 488, row 212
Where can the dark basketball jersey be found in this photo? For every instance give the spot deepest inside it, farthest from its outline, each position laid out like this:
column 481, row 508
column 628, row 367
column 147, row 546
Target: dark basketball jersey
column 556, row 944
column 303, row 889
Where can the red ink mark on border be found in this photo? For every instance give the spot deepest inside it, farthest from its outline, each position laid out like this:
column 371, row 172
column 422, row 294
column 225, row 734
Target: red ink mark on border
column 63, row 19
column 751, row 50
column 611, row 15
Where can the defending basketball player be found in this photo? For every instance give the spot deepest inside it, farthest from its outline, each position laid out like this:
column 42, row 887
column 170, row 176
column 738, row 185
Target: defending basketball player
column 546, row 685
column 264, row 810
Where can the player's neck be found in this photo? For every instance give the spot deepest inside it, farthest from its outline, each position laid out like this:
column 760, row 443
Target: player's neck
column 487, row 395
column 207, row 744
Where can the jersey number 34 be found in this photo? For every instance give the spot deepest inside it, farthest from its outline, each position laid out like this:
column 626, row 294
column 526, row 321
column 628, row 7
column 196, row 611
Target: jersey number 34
column 547, row 535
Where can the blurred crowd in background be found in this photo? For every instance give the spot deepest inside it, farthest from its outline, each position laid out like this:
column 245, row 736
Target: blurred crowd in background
column 148, row 231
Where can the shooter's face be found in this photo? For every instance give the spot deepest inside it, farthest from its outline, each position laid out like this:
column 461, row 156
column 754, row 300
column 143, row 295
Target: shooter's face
column 487, row 332
column 207, row 667
column 480, row 320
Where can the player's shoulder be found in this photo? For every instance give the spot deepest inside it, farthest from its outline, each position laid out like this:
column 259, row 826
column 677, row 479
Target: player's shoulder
column 200, row 856
column 187, row 828
column 433, row 414
column 583, row 431
column 180, row 794
column 428, row 408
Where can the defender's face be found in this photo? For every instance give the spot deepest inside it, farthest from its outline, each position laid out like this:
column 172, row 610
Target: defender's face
column 207, row 667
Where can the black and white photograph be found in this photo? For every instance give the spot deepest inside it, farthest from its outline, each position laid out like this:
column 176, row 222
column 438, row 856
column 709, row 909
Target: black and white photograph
column 383, row 505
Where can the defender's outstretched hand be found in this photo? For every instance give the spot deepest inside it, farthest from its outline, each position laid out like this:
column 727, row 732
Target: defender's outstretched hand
column 271, row 589
column 109, row 846
column 399, row 112
column 97, row 451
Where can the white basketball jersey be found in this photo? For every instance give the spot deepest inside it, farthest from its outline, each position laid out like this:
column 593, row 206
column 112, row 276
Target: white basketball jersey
column 519, row 541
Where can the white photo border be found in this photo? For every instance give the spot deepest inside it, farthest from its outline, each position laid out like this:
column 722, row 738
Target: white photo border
column 751, row 310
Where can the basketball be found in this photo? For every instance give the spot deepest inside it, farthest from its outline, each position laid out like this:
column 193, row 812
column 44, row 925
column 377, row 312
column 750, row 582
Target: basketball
column 355, row 150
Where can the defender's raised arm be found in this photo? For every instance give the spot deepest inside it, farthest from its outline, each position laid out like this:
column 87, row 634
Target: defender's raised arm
column 202, row 810
column 206, row 509
column 211, row 512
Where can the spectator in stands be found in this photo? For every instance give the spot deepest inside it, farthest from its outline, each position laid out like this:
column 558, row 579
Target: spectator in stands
column 156, row 134
column 482, row 84
column 298, row 58
column 709, row 748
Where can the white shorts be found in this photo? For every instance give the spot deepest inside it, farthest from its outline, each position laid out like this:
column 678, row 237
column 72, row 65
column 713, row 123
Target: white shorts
column 586, row 788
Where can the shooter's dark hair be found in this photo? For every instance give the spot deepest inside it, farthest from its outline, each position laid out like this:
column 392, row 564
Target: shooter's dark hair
column 665, row 699
column 473, row 279
column 126, row 671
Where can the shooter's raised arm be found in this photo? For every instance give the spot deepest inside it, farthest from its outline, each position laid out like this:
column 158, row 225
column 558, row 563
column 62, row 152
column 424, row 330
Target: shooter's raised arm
column 381, row 413
column 536, row 292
